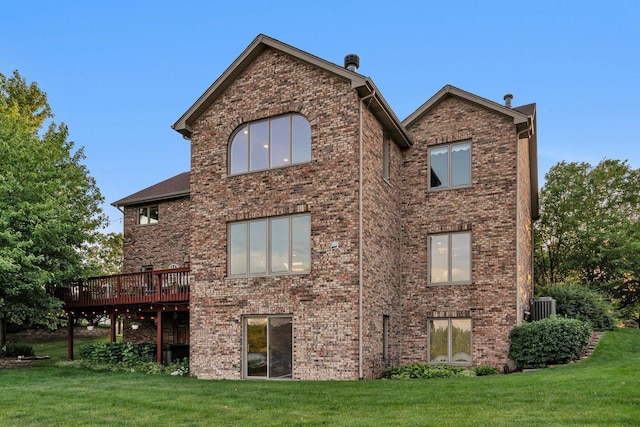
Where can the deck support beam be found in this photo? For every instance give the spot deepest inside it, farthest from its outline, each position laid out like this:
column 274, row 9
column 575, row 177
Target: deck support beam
column 70, row 322
column 112, row 327
column 159, row 336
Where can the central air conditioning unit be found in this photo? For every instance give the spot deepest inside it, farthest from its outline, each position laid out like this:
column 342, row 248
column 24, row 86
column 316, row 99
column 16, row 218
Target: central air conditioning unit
column 542, row 308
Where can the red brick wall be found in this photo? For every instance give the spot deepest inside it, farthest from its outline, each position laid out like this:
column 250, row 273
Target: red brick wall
column 382, row 249
column 323, row 304
column 487, row 208
column 398, row 216
column 160, row 244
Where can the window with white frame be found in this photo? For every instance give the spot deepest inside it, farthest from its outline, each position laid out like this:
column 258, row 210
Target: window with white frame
column 450, row 341
column 270, row 246
column 450, row 166
column 148, row 215
column 450, row 258
column 270, row 143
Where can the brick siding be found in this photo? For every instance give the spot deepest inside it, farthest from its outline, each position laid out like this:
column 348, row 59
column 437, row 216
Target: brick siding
column 487, row 208
column 160, row 244
column 323, row 304
column 398, row 216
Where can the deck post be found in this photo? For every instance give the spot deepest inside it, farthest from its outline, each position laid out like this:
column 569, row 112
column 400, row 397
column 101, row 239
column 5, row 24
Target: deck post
column 70, row 336
column 112, row 327
column 159, row 335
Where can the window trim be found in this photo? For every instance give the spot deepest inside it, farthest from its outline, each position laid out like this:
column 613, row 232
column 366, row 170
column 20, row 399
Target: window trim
column 245, row 362
column 449, row 259
column 268, row 247
column 247, row 126
column 450, row 353
column 148, row 216
column 449, row 147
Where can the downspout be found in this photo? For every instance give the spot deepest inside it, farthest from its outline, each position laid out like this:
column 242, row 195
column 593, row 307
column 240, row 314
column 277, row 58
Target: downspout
column 518, row 297
column 360, row 239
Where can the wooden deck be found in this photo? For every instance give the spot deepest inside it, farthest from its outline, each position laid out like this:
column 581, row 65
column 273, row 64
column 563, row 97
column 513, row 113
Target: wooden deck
column 140, row 288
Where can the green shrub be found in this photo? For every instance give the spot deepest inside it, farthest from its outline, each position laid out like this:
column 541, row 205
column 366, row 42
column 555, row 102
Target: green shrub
column 178, row 368
column 579, row 302
column 554, row 340
column 12, row 349
column 127, row 354
column 426, row 371
column 484, row 370
column 85, row 350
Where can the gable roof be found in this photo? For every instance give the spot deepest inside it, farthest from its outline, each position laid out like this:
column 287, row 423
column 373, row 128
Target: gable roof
column 177, row 186
column 528, row 109
column 363, row 85
column 524, row 117
column 448, row 90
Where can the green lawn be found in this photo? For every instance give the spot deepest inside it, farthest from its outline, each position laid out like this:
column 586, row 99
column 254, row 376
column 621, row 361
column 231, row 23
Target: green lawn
column 57, row 349
column 600, row 391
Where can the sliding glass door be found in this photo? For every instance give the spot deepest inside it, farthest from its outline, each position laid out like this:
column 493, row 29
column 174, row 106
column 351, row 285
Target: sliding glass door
column 268, row 347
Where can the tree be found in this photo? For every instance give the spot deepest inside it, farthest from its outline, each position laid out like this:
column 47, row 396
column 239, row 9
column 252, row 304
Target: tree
column 20, row 100
column 50, row 207
column 589, row 229
column 105, row 257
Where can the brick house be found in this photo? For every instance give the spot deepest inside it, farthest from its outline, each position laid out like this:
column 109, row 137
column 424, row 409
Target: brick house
column 326, row 239
column 150, row 244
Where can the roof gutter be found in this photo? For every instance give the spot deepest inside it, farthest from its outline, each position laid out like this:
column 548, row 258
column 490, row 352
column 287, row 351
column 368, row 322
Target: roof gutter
column 167, row 196
column 385, row 114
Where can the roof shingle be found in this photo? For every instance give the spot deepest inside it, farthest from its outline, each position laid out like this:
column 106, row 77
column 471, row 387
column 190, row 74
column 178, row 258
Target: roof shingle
column 177, row 186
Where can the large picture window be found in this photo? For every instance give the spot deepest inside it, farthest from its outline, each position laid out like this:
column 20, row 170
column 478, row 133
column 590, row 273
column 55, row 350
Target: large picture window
column 450, row 258
column 450, row 166
column 270, row 143
column 450, row 341
column 270, row 246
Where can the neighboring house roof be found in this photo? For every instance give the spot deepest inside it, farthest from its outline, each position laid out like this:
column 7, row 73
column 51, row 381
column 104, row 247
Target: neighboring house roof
column 177, row 186
column 363, row 85
column 524, row 117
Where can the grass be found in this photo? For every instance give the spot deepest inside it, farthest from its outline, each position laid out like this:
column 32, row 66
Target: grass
column 602, row 390
column 57, row 349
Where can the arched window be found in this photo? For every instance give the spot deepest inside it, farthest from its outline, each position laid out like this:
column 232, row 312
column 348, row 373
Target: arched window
column 270, row 143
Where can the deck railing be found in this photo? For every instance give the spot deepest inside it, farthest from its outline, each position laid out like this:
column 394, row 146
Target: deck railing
column 130, row 288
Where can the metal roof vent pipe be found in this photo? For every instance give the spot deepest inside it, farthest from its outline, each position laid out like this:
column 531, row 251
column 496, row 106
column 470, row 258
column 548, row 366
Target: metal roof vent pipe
column 352, row 62
column 507, row 100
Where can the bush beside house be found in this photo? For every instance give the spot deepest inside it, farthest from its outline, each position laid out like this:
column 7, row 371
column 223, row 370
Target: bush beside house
column 579, row 302
column 550, row 341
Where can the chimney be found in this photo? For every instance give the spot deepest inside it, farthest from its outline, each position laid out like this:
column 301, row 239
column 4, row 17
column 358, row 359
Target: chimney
column 507, row 100
column 351, row 62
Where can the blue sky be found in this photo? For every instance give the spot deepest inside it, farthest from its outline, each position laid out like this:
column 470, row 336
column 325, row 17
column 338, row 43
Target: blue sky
column 120, row 73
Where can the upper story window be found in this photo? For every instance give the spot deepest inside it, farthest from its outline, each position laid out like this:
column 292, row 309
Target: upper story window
column 270, row 246
column 450, row 166
column 450, row 258
column 270, row 143
column 148, row 215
